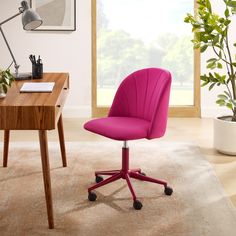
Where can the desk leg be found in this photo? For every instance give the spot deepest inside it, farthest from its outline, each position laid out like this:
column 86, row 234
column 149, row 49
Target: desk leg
column 62, row 141
column 6, row 147
column 46, row 175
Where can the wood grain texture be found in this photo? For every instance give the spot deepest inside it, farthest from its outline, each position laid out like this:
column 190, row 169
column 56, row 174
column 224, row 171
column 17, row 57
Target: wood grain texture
column 46, row 175
column 6, row 147
column 95, row 110
column 34, row 111
column 62, row 141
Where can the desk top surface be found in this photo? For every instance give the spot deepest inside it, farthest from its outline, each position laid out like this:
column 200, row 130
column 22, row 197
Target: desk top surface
column 15, row 98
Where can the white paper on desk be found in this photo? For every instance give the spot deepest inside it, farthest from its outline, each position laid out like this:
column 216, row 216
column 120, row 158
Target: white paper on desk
column 37, row 87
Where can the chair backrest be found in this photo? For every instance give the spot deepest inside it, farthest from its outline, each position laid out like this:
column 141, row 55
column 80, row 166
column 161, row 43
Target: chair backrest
column 144, row 94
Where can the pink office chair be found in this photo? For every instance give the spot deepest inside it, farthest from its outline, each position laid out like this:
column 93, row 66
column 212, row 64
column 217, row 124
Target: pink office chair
column 139, row 110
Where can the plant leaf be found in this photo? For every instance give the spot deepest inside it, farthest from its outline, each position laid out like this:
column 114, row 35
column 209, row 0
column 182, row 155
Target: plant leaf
column 4, row 86
column 222, row 96
column 227, row 93
column 219, row 65
column 203, row 48
column 212, row 59
column 227, row 12
column 211, row 65
column 229, row 105
column 208, row 5
column 231, row 3
column 211, row 86
column 204, row 84
column 220, row 102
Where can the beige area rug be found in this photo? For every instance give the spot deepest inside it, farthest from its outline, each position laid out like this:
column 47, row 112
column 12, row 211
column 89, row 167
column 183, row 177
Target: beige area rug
column 198, row 206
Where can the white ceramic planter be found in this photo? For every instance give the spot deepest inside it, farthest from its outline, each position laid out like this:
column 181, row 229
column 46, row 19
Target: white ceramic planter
column 225, row 136
column 2, row 93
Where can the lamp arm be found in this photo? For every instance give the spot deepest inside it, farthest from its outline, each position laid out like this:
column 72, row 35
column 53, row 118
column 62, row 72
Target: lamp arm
column 8, row 46
column 5, row 39
column 10, row 18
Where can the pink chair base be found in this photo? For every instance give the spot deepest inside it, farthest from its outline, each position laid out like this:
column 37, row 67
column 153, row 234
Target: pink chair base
column 125, row 173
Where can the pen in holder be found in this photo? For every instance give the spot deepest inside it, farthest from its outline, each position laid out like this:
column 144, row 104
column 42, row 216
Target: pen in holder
column 37, row 71
column 37, row 67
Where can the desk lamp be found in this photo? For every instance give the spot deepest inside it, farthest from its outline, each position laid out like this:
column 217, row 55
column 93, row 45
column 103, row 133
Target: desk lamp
column 30, row 21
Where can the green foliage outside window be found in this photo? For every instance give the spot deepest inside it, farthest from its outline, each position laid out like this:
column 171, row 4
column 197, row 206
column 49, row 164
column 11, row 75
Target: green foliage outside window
column 119, row 53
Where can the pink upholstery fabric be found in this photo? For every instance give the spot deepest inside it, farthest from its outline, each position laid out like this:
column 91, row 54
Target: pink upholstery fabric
column 139, row 109
column 119, row 128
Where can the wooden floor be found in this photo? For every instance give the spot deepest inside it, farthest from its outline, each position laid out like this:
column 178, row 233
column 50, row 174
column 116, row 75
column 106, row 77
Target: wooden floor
column 195, row 130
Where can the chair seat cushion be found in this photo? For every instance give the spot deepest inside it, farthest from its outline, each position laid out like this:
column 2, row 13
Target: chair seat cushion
column 119, row 128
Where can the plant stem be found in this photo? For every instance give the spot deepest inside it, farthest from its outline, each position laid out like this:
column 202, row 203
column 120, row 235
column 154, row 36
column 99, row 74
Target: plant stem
column 230, row 93
column 227, row 66
column 232, row 76
column 224, row 60
column 233, row 118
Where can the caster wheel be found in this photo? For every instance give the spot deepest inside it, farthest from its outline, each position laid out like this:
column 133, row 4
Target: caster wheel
column 98, row 179
column 137, row 205
column 168, row 191
column 92, row 197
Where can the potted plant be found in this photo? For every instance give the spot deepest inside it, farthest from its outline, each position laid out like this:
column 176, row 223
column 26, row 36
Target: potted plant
column 6, row 79
column 212, row 32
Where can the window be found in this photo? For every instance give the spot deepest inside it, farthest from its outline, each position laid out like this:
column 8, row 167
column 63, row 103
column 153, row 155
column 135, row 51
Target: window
column 132, row 34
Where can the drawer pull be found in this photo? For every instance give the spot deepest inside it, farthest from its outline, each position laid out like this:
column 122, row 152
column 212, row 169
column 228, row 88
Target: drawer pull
column 58, row 105
column 65, row 88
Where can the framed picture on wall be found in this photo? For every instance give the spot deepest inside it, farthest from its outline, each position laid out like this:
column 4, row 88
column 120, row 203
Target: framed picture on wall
column 57, row 15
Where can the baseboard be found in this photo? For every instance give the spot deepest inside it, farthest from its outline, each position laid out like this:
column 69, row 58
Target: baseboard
column 77, row 112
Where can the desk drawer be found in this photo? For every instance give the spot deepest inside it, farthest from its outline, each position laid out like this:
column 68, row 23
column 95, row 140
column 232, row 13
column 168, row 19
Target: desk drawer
column 61, row 99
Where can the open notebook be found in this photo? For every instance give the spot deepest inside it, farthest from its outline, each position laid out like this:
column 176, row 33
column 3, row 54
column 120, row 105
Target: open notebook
column 37, row 87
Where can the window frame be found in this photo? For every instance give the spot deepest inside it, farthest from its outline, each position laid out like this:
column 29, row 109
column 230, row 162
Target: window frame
column 174, row 111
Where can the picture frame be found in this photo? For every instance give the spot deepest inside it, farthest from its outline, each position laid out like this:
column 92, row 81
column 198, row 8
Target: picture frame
column 57, row 15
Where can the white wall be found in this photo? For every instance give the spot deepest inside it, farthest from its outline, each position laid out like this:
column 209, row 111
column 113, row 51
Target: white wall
column 71, row 52
column 60, row 51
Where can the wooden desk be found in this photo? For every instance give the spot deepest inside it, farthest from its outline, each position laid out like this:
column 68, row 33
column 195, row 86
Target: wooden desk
column 36, row 111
